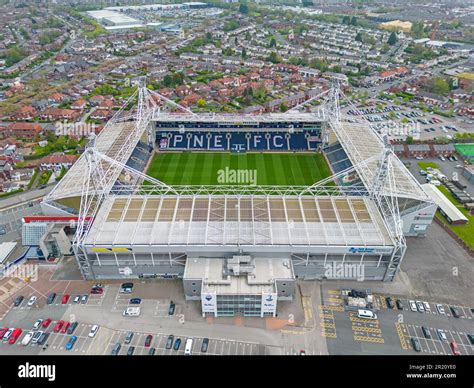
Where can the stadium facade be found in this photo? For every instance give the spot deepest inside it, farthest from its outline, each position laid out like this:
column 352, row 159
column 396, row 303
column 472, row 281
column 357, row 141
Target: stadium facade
column 240, row 249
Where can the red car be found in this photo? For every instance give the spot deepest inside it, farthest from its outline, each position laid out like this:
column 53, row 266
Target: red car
column 65, row 299
column 65, row 327
column 97, row 291
column 148, row 340
column 46, row 323
column 455, row 348
column 58, row 326
column 3, row 330
column 16, row 333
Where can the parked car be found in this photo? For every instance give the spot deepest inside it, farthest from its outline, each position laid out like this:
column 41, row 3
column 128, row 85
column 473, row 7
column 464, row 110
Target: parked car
column 427, row 307
column 399, row 304
column 84, row 298
column 390, row 303
column 93, row 331
column 27, row 338
column 169, row 342
column 65, row 299
column 152, row 352
column 14, row 335
column 77, row 299
column 18, row 300
column 71, row 342
column 442, row 335
column 455, row 348
column 171, row 308
column 205, row 345
column 97, row 291
column 128, row 338
column 3, row 330
column 32, row 301
column 135, row 301
column 420, row 306
column 412, row 305
column 36, row 336
column 148, row 340
column 72, row 327
column 51, row 298
column 7, row 334
column 65, row 327
column 177, row 344
column 440, row 309
column 470, row 337
column 126, row 288
column 46, row 323
column 116, row 349
column 58, row 326
column 426, row 332
column 456, row 313
column 416, row 344
column 37, row 324
column 42, row 339
column 131, row 350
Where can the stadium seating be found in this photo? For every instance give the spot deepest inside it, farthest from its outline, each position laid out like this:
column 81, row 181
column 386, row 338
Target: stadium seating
column 234, row 141
column 339, row 161
column 139, row 157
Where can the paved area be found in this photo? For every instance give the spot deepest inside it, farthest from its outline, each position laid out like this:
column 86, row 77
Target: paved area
column 10, row 219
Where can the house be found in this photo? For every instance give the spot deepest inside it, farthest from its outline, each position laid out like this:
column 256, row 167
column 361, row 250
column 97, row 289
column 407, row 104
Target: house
column 96, row 100
column 57, row 162
column 57, row 98
column 25, row 113
column 183, row 90
column 22, row 130
column 431, row 98
column 5, row 170
column 60, row 114
column 79, row 104
column 101, row 114
column 106, row 104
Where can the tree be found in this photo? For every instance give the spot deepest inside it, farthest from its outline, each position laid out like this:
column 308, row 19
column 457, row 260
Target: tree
column 409, row 139
column 244, row 53
column 272, row 42
column 244, row 8
column 353, row 21
column 392, row 39
column 201, row 103
column 273, row 57
column 346, row 20
column 358, row 37
column 283, row 107
column 438, row 85
column 168, row 80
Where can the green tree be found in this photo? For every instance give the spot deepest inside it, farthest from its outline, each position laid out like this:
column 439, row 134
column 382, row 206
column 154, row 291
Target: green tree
column 201, row 103
column 353, row 21
column 358, row 37
column 274, row 57
column 244, row 53
column 244, row 8
column 272, row 42
column 283, row 107
column 392, row 39
column 409, row 139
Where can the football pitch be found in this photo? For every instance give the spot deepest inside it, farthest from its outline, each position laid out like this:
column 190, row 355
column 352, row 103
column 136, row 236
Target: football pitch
column 218, row 168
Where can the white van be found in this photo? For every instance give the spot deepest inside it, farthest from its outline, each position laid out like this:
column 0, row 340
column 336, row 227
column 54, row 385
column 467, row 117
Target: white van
column 27, row 338
column 366, row 314
column 131, row 312
column 188, row 347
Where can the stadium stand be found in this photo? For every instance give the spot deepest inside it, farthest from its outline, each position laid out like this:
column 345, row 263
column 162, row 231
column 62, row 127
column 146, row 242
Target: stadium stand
column 339, row 161
column 139, row 157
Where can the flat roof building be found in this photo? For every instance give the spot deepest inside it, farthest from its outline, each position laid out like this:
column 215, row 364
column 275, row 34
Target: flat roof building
column 446, row 207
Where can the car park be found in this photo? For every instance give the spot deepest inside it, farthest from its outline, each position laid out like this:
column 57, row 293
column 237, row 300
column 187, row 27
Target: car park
column 399, row 304
column 412, row 305
column 415, row 344
column 32, row 301
column 36, row 337
column 148, row 340
column 454, row 348
column 205, row 345
column 93, row 331
column 72, row 327
column 65, row 327
column 65, row 299
column 128, row 338
column 130, row 351
column 177, row 344
column 58, row 326
column 426, row 332
column 456, row 313
column 51, row 298
column 419, row 306
column 71, row 342
column 18, row 300
column 442, row 335
column 116, row 349
column 27, row 338
column 46, row 323
column 169, row 342
column 440, row 309
column 37, row 324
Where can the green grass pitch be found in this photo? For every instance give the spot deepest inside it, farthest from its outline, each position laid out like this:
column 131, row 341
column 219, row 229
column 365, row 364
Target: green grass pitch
column 276, row 169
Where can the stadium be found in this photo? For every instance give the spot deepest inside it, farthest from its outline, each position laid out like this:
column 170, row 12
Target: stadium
column 239, row 206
